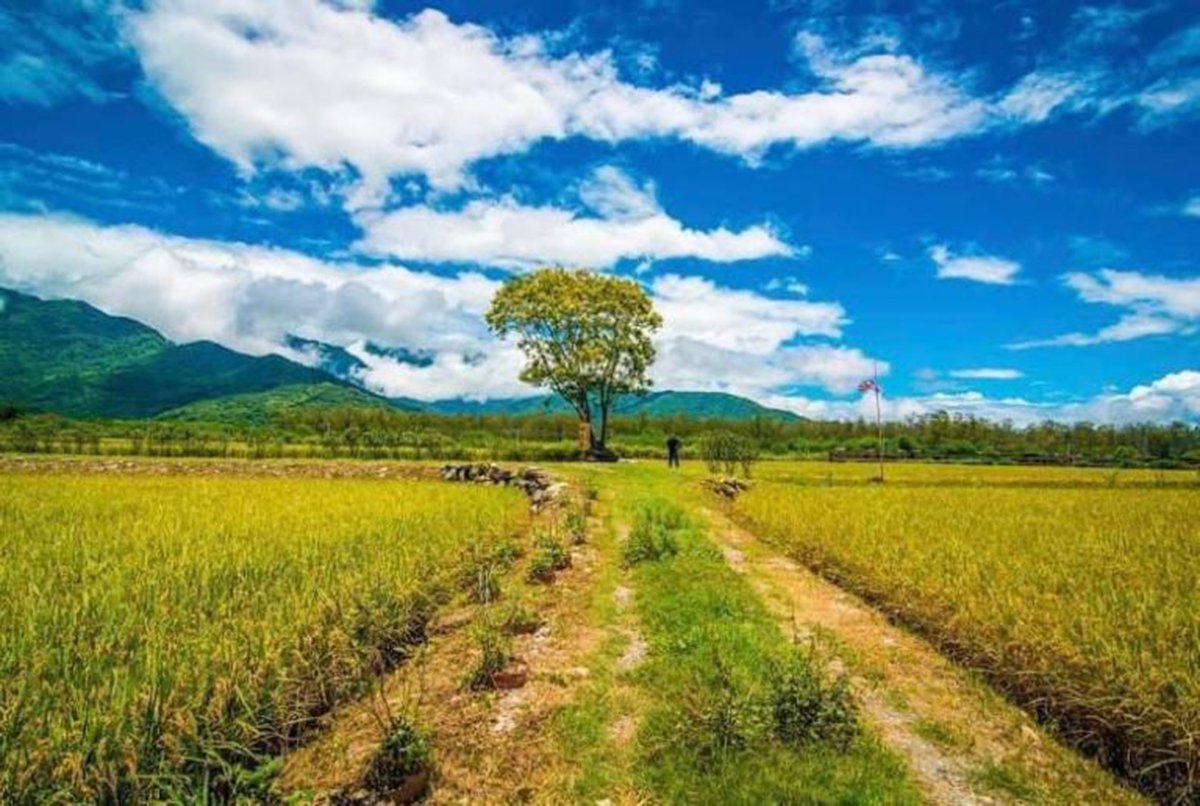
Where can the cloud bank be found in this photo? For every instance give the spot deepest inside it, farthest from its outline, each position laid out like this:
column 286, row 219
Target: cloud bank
column 251, row 298
column 306, row 84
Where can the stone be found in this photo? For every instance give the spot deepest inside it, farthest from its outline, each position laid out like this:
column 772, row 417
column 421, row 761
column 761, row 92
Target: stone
column 515, row 675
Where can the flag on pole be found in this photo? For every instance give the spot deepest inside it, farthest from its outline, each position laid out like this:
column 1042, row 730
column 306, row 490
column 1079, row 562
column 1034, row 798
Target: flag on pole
column 869, row 385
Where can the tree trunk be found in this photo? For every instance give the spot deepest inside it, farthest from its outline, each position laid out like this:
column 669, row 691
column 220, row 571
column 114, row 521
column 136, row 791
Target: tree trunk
column 604, row 406
column 587, row 439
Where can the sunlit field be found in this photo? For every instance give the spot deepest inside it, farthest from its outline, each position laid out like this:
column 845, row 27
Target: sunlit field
column 161, row 633
column 1076, row 591
column 922, row 474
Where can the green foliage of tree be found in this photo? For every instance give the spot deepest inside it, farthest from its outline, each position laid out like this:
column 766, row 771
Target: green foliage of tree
column 586, row 336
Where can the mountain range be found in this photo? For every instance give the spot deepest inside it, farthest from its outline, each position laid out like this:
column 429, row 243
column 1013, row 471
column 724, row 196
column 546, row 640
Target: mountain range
column 70, row 358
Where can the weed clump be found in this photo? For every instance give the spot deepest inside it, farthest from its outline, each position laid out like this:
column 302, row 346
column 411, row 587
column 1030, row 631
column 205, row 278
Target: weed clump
column 807, row 707
column 486, row 587
column 799, row 706
column 653, row 535
column 549, row 557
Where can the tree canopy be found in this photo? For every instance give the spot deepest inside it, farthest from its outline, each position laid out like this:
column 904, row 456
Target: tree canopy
column 586, row 336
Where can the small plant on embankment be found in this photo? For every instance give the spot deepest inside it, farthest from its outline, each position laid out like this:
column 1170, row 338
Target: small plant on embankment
column 575, row 523
column 516, row 617
column 399, row 770
column 493, row 654
column 549, row 557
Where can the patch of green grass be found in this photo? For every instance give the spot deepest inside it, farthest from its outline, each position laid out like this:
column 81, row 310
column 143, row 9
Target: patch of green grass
column 935, row 732
column 999, row 777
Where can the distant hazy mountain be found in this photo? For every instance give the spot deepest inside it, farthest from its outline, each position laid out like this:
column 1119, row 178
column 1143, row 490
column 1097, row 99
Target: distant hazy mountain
column 70, row 358
column 337, row 361
column 702, row 405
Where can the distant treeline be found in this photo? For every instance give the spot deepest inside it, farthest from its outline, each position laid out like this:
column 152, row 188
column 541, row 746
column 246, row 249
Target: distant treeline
column 391, row 434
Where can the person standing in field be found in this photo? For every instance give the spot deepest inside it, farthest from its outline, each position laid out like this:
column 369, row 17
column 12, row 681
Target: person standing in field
column 674, row 443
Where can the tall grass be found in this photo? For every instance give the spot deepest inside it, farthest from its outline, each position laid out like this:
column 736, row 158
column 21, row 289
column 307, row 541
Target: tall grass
column 164, row 636
column 1083, row 604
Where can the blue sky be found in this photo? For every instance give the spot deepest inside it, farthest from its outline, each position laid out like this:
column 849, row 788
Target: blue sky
column 996, row 204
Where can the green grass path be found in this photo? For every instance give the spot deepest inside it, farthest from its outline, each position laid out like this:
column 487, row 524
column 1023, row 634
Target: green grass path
column 688, row 723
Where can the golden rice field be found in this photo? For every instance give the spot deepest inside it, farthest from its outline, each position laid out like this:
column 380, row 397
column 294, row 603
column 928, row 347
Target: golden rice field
column 1077, row 593
column 163, row 635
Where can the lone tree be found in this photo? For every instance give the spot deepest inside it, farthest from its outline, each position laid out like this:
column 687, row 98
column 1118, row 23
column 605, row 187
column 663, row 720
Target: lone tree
column 586, row 336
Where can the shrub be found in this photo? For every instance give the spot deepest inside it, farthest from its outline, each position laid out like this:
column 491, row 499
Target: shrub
column 728, row 452
column 403, row 755
column 807, row 707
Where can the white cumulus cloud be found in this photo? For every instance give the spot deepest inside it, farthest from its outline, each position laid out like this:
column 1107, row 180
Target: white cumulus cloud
column 1154, row 305
column 738, row 319
column 987, row 374
column 628, row 223
column 980, row 268
column 250, row 297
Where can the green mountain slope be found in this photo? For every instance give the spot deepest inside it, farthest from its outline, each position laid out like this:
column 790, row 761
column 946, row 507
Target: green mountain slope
column 70, row 358
column 185, row 373
column 701, row 405
column 261, row 408
column 56, row 355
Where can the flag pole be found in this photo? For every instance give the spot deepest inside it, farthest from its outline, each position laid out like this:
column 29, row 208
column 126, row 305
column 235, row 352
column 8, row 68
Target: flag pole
column 878, row 421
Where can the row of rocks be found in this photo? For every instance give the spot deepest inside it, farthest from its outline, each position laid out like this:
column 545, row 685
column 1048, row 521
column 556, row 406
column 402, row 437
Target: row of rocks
column 728, row 487
column 536, row 483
